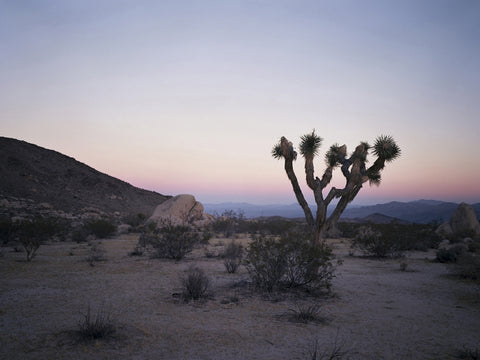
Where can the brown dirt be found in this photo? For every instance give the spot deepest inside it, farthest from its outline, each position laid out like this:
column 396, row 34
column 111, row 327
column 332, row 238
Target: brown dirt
column 376, row 311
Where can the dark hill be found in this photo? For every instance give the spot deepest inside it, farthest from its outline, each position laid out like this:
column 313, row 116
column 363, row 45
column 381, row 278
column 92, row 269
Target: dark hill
column 40, row 175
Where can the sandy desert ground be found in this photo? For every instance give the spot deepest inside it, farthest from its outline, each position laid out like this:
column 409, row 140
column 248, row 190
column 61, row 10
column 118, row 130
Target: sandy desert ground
column 375, row 311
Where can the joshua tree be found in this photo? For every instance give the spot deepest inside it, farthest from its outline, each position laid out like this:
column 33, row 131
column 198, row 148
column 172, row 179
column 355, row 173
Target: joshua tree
column 353, row 169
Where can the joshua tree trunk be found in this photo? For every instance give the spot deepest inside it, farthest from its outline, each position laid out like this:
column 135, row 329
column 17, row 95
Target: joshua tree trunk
column 353, row 169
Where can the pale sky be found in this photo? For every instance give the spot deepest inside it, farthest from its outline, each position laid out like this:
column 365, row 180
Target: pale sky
column 190, row 96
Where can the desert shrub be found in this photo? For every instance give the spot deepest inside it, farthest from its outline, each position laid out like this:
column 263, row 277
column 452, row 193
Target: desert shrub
column 138, row 250
column 97, row 253
column 170, row 241
column 101, row 228
column 195, row 284
column 474, row 246
column 135, row 220
column 232, row 257
column 468, row 266
column 375, row 243
column 291, row 261
column 206, row 236
column 80, row 234
column 6, row 229
column 96, row 326
column 31, row 233
column 449, row 255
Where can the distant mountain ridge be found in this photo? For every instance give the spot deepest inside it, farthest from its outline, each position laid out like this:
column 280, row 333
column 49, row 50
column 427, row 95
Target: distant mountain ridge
column 39, row 175
column 419, row 211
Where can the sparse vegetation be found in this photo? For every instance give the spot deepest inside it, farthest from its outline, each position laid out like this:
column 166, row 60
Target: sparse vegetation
column 293, row 260
column 468, row 353
column 335, row 351
column 229, row 223
column 407, row 236
column 195, row 284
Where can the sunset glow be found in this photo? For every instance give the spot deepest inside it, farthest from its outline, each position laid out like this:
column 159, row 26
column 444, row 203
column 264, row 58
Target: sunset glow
column 190, row 96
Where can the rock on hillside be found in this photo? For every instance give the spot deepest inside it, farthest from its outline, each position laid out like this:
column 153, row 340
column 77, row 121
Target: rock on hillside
column 180, row 209
column 41, row 176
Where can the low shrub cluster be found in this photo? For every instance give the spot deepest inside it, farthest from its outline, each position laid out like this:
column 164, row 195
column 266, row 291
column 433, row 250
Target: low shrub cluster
column 101, row 228
column 465, row 258
column 372, row 242
column 406, row 236
column 290, row 261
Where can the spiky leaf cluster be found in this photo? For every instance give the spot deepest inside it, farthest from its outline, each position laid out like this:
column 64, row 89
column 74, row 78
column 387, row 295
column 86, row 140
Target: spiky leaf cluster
column 334, row 155
column 277, row 151
column 386, row 148
column 374, row 178
column 309, row 144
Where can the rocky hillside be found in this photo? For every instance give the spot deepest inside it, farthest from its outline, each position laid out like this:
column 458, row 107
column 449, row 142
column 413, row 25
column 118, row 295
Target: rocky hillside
column 43, row 178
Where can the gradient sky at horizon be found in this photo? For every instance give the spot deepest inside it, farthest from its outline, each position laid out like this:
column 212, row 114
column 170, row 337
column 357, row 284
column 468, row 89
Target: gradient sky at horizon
column 190, row 96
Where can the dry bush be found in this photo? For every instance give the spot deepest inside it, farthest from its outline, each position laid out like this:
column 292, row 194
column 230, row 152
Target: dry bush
column 170, row 241
column 195, row 284
column 232, row 257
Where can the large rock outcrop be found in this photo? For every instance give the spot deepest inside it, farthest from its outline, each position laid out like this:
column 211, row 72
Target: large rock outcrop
column 180, row 209
column 463, row 222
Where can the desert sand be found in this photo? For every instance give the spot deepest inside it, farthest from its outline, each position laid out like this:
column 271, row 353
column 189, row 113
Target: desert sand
column 375, row 310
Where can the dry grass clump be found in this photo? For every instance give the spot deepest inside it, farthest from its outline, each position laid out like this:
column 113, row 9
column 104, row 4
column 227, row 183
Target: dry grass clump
column 306, row 313
column 96, row 326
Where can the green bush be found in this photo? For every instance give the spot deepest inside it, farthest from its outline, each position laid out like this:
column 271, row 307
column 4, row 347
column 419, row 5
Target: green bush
column 291, row 261
column 372, row 242
column 170, row 241
column 31, row 233
column 449, row 255
column 407, row 236
column 468, row 266
column 101, row 228
column 135, row 220
column 6, row 229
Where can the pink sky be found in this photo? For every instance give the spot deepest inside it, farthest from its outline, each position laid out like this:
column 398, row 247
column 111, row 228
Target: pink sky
column 190, row 96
